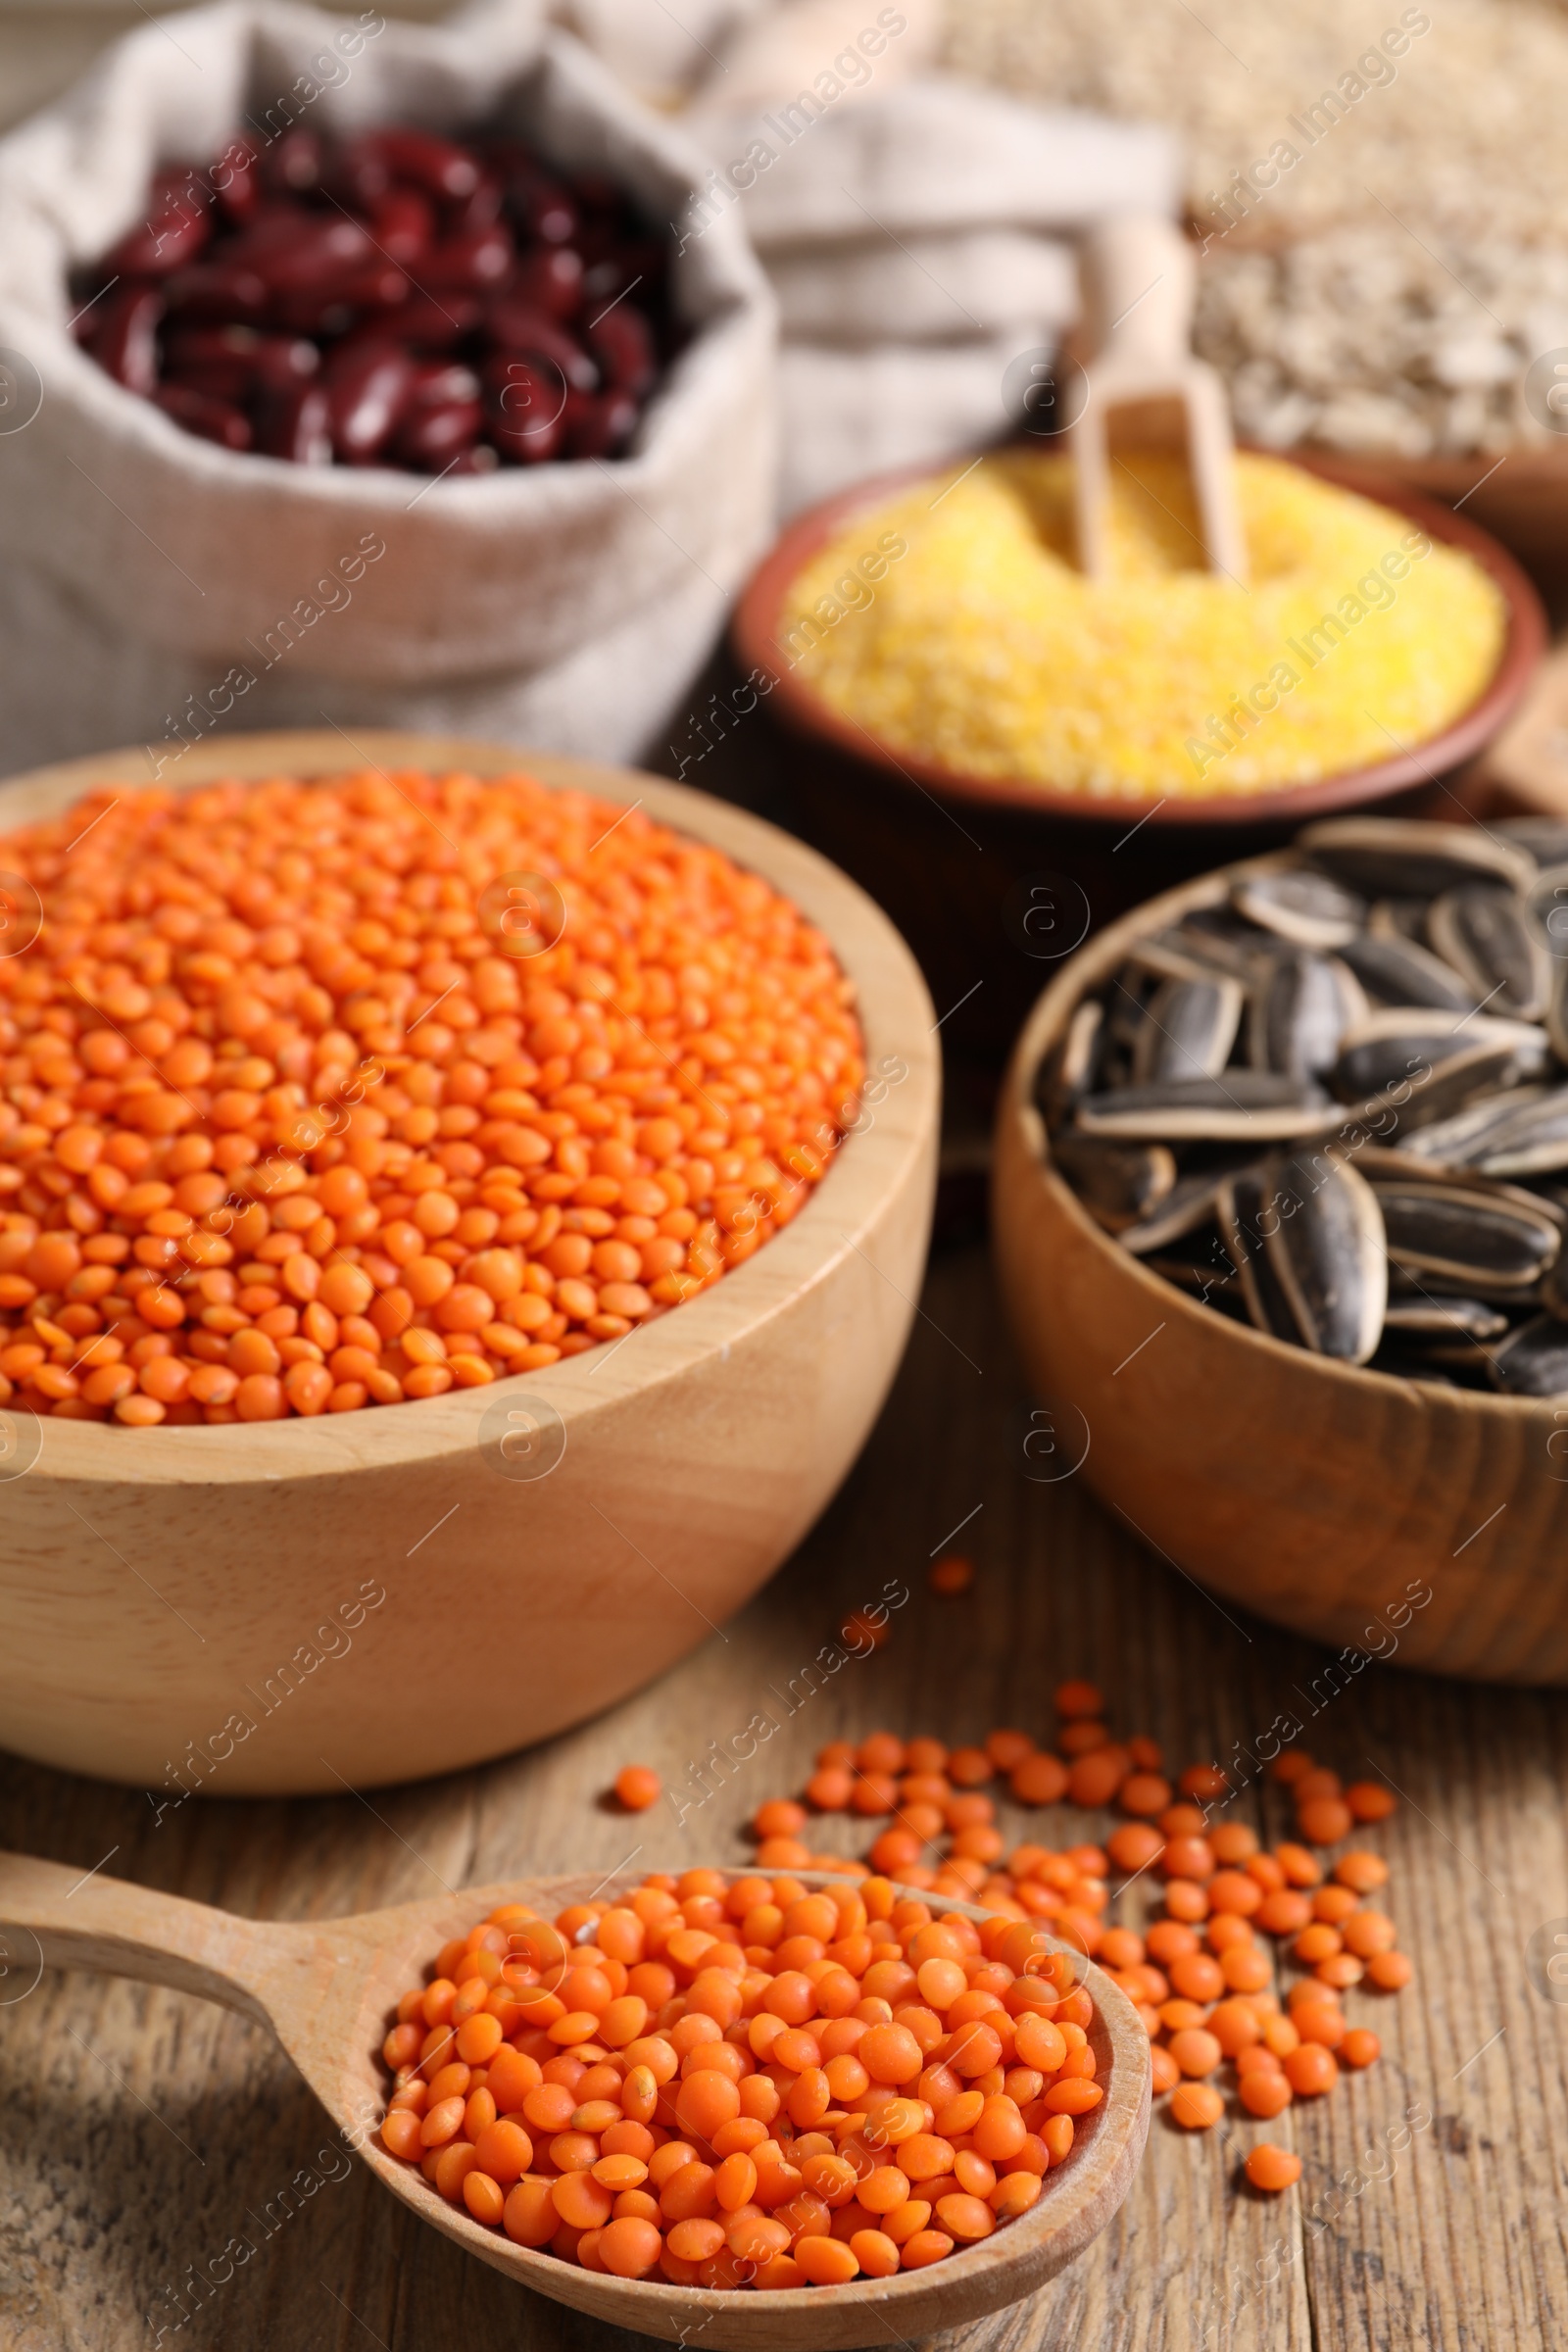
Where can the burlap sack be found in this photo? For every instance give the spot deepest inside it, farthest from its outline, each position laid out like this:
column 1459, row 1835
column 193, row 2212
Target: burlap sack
column 919, row 233
column 154, row 586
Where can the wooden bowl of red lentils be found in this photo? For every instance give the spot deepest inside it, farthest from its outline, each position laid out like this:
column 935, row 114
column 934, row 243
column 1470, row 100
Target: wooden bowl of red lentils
column 459, row 1215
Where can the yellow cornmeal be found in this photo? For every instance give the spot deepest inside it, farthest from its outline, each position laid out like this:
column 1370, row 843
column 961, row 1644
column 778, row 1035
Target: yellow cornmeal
column 983, row 646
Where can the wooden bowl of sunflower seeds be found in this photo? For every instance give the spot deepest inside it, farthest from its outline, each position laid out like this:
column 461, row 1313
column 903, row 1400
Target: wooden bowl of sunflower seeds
column 1281, row 1204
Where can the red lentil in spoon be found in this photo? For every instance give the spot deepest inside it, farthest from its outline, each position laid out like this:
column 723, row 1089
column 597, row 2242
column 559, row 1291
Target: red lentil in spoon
column 728, row 2080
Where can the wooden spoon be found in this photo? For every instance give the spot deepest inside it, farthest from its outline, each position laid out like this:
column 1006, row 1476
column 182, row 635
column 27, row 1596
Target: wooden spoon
column 1137, row 274
column 327, row 1990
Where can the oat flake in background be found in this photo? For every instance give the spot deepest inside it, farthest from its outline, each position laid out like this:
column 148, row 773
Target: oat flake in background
column 155, row 587
column 1385, row 291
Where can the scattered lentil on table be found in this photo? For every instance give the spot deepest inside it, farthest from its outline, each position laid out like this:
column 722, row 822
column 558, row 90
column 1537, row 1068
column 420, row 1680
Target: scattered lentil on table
column 288, row 1127
column 638, row 1785
column 1199, row 1974
column 985, row 650
column 1272, row 2168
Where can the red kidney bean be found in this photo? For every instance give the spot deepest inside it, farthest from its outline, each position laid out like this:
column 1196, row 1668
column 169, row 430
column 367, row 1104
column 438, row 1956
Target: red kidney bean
column 382, row 287
column 599, row 240
column 293, row 163
column 478, row 211
column 524, row 410
column 237, row 181
column 293, row 422
column 518, row 327
column 395, row 258
column 403, row 224
column 624, row 346
column 596, row 193
column 538, row 201
column 631, row 265
column 600, row 424
column 427, row 323
column 432, row 434
column 274, row 227
column 124, row 340
column 213, row 419
column 550, row 280
column 548, row 213
column 474, row 262
column 285, row 360
column 230, row 362
column 177, row 228
column 358, row 174
column 219, row 292
column 322, row 253
column 365, row 400
column 232, row 386
column 435, row 165
column 209, row 346
column 438, row 382
column 331, row 308
column 221, row 375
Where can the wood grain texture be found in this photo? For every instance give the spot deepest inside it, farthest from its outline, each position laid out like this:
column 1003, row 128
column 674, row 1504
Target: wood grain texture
column 145, row 2129
column 328, row 1991
column 163, row 1595
column 1320, row 1492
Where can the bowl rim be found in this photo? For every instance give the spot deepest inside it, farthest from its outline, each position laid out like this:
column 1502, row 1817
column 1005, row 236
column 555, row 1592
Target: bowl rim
column 1095, row 2178
column 873, row 1162
column 753, row 635
column 1024, row 1130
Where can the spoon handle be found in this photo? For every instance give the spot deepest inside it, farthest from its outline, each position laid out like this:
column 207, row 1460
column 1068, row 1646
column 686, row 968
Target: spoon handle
column 51, row 1917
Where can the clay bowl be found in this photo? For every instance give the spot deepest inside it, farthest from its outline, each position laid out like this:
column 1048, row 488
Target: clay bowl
column 327, row 1990
column 283, row 1606
column 1421, row 1524
column 1524, row 502
column 990, row 879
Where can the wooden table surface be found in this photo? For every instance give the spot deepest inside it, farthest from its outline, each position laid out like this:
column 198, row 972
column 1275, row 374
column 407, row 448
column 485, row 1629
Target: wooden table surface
column 141, row 2130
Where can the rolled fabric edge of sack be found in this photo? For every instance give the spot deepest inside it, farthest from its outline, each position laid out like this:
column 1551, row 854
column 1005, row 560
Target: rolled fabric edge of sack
column 968, row 286
column 611, row 699
column 930, row 156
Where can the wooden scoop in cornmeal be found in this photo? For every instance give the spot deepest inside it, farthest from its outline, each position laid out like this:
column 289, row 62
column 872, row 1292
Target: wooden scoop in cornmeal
column 1137, row 274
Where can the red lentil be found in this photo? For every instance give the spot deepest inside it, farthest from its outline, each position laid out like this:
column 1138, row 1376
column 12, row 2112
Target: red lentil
column 1272, row 2168
column 1196, row 2106
column 1200, row 1976
column 638, row 1785
column 288, row 1127
column 707, row 2138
